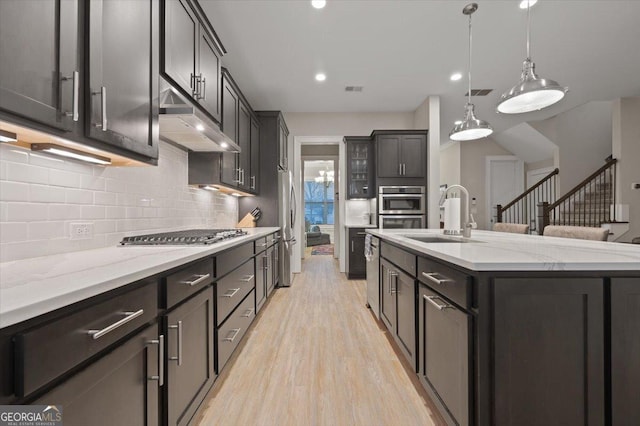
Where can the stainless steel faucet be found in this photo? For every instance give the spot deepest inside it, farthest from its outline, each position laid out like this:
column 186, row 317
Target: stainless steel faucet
column 469, row 222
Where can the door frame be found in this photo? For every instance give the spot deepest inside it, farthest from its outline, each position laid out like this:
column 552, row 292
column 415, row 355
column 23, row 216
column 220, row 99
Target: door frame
column 298, row 141
column 336, row 212
column 520, row 183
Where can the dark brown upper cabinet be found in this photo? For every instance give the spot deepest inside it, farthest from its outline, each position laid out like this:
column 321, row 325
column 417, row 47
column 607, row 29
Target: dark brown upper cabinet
column 405, row 155
column 360, row 167
column 39, row 69
column 191, row 54
column 122, row 74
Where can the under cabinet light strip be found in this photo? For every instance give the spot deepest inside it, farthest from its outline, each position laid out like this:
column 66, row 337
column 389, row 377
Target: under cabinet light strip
column 70, row 153
column 6, row 136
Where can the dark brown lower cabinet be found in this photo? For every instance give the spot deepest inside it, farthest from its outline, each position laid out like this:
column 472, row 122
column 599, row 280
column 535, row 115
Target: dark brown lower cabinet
column 190, row 359
column 261, row 280
column 121, row 388
column 272, row 263
column 357, row 263
column 625, row 351
column 444, row 347
column 549, row 351
column 387, row 296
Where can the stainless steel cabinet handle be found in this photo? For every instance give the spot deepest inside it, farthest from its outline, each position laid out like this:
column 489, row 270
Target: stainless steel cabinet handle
column 265, row 262
column 247, row 313
column 129, row 316
column 160, row 343
column 238, row 171
column 400, row 169
column 204, row 88
column 432, row 300
column 233, row 292
column 253, row 182
column 395, row 287
column 75, row 77
column 247, row 278
column 103, row 99
column 243, row 176
column 431, row 276
column 235, row 332
column 198, row 279
column 195, row 86
column 352, row 249
column 179, row 357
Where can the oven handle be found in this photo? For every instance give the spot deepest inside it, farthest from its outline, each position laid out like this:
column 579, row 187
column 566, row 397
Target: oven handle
column 421, row 196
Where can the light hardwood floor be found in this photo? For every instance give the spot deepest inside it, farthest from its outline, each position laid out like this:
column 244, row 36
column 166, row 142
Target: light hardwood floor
column 316, row 356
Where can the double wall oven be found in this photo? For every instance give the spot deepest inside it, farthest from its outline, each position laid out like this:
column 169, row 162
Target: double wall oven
column 402, row 207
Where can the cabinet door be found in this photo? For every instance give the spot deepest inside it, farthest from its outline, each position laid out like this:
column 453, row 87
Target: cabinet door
column 549, row 352
column 261, row 280
column 445, row 353
column 38, row 47
column 283, row 147
column 271, row 265
column 387, row 296
column 244, row 141
column 230, row 103
column 276, row 264
column 625, row 350
column 209, row 75
column 388, row 155
column 413, row 155
column 357, row 261
column 117, row 389
column 254, row 176
column 190, row 345
column 123, row 82
column 406, row 305
column 180, row 35
column 360, row 175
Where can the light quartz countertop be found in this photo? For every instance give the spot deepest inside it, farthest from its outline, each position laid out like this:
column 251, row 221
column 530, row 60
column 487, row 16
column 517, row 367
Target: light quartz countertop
column 33, row 287
column 499, row 251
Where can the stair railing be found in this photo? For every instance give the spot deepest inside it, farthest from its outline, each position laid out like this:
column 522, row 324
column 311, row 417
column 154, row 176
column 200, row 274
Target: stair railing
column 588, row 204
column 523, row 208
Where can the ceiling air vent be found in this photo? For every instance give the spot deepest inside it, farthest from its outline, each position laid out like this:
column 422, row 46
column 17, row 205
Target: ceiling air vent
column 353, row 89
column 479, row 92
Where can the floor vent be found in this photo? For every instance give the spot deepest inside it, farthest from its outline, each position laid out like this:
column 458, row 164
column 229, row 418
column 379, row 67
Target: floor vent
column 353, row 89
column 479, row 92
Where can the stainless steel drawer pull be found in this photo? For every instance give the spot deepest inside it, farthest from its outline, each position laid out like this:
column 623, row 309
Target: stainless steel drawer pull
column 247, row 278
column 198, row 279
column 179, row 357
column 129, row 316
column 235, row 332
column 431, row 276
column 103, row 99
column 392, row 275
column 247, row 313
column 75, row 81
column 204, row 88
column 160, row 343
column 432, row 300
column 231, row 292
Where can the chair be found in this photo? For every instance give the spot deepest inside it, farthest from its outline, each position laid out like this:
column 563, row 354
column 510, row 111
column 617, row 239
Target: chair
column 579, row 232
column 315, row 237
column 514, row 228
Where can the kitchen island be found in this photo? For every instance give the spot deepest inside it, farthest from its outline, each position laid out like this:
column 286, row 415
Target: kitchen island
column 507, row 329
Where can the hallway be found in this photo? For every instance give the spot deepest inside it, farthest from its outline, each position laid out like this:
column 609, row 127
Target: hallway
column 316, row 356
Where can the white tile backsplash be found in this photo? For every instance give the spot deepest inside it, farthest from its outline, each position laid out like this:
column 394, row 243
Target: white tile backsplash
column 41, row 195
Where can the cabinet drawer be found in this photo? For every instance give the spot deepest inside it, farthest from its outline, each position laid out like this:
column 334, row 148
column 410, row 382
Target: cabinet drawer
column 231, row 333
column 188, row 281
column 70, row 340
column 273, row 239
column 446, row 281
column 233, row 288
column 228, row 260
column 401, row 258
column 261, row 245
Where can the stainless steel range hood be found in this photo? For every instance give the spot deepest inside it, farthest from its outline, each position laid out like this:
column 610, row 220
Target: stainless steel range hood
column 184, row 124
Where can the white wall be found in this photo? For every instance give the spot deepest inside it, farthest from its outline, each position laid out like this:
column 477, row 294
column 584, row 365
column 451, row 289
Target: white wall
column 450, row 164
column 473, row 172
column 626, row 148
column 583, row 137
column 40, row 195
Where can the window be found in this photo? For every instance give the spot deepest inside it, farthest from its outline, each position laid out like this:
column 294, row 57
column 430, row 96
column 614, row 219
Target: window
column 318, row 203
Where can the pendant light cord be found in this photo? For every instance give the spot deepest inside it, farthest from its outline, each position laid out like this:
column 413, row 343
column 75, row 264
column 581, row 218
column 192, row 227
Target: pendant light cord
column 528, row 28
column 469, row 93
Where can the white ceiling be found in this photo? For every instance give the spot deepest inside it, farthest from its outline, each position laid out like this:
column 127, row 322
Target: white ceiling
column 402, row 51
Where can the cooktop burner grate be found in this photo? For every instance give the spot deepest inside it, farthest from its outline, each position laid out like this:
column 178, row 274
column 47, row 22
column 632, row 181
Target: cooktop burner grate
column 186, row 237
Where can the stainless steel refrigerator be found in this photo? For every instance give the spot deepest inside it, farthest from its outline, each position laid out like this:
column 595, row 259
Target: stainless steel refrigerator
column 287, row 221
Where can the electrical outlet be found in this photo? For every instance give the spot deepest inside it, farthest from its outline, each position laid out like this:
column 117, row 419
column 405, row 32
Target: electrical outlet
column 81, row 231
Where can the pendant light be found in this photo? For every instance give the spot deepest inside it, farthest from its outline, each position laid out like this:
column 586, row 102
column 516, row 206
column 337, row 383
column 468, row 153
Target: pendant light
column 471, row 127
column 532, row 92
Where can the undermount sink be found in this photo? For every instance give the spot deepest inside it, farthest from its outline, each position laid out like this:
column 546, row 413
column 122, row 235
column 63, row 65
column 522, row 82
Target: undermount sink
column 438, row 239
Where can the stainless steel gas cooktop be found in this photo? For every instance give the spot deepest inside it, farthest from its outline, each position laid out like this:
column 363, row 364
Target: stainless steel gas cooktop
column 186, row 237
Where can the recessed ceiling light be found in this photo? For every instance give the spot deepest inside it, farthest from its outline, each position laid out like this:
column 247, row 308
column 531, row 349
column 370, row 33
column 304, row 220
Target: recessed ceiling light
column 527, row 3
column 456, row 76
column 318, row 4
column 200, row 127
column 321, row 77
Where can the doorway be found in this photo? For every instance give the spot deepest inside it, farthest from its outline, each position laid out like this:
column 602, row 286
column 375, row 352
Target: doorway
column 505, row 181
column 320, row 181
